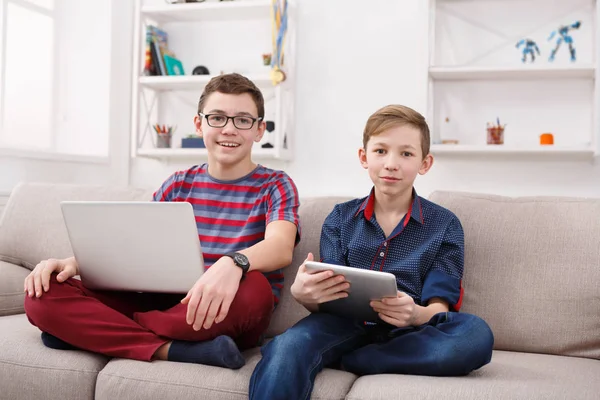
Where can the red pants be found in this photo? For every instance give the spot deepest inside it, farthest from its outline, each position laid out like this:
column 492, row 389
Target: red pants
column 135, row 325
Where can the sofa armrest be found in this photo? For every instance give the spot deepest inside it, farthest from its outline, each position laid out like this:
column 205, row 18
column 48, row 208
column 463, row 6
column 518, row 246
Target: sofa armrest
column 11, row 288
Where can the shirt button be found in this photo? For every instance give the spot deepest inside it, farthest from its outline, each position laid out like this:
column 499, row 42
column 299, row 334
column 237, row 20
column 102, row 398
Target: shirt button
column 385, row 243
column 382, row 254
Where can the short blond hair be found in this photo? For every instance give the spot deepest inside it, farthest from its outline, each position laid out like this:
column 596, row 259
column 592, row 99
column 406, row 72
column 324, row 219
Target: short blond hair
column 395, row 115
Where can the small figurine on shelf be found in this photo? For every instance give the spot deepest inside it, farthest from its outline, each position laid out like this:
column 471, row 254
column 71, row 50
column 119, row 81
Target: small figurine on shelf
column 529, row 48
column 563, row 32
column 495, row 133
column 266, row 59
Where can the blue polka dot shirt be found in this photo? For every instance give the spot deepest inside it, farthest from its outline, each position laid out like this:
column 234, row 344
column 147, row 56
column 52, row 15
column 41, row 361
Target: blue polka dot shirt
column 425, row 251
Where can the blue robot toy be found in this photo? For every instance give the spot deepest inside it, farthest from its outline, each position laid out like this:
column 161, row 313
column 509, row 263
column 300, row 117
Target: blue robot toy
column 529, row 48
column 563, row 31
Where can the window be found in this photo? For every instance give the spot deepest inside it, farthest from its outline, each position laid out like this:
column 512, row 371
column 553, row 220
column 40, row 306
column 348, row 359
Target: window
column 27, row 74
column 55, row 76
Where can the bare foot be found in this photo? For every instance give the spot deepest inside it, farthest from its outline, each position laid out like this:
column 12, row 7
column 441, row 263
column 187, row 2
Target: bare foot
column 162, row 353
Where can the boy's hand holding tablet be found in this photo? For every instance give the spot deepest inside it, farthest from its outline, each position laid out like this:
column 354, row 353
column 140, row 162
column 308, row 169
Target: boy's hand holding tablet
column 312, row 288
column 351, row 292
column 399, row 311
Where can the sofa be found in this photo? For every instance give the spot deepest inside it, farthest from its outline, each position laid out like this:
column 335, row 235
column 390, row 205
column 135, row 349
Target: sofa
column 532, row 271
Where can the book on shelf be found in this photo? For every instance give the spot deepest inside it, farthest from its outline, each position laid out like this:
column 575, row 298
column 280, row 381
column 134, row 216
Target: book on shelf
column 156, row 49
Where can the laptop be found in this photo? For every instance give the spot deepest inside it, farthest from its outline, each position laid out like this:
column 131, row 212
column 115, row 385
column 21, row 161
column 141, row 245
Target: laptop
column 135, row 246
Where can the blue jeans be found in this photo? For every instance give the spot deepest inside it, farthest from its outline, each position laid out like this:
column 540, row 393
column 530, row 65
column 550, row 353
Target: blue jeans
column 449, row 344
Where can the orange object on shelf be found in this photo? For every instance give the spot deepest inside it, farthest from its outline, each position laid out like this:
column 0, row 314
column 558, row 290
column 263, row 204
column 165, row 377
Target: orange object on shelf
column 546, row 138
column 495, row 134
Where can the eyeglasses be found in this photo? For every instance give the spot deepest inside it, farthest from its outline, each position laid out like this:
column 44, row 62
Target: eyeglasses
column 239, row 121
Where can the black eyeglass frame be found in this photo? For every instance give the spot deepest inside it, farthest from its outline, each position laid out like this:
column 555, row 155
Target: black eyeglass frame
column 227, row 118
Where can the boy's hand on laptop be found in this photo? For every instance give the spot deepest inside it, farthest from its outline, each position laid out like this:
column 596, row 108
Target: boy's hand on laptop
column 319, row 287
column 211, row 296
column 38, row 281
column 399, row 311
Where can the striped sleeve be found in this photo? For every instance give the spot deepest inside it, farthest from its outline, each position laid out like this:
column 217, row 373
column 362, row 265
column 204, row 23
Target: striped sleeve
column 284, row 202
column 169, row 188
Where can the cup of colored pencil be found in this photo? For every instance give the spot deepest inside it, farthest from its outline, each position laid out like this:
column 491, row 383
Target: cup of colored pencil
column 495, row 133
column 164, row 133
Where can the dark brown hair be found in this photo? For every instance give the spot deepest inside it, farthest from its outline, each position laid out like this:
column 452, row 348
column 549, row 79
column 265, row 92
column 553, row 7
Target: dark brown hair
column 396, row 115
column 233, row 84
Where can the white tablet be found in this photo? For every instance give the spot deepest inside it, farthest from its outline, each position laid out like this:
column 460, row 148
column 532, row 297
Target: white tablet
column 365, row 286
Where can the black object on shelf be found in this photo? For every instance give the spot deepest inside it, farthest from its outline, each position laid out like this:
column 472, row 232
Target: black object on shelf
column 270, row 128
column 200, row 70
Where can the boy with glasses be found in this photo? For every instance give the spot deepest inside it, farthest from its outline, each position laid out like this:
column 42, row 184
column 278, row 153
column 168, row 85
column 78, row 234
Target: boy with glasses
column 394, row 230
column 247, row 219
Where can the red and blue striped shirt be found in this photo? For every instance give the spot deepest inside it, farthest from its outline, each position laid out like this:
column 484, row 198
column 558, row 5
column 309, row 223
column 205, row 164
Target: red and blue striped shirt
column 233, row 215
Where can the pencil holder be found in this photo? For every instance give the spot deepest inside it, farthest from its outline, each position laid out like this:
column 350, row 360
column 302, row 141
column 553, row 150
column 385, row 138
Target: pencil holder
column 495, row 135
column 163, row 140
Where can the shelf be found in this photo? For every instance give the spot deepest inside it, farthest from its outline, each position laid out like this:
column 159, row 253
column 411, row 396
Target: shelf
column 528, row 71
column 193, row 82
column 551, row 151
column 208, row 11
column 186, row 154
column 152, row 95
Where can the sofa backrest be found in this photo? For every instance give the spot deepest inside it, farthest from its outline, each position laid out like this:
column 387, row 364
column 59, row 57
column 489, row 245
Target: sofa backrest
column 312, row 213
column 32, row 227
column 532, row 264
column 532, row 270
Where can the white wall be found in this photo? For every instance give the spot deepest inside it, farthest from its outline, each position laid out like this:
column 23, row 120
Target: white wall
column 350, row 65
column 84, row 51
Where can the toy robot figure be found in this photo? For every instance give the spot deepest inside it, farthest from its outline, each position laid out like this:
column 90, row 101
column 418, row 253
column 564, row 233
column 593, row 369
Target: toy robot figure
column 563, row 31
column 529, row 48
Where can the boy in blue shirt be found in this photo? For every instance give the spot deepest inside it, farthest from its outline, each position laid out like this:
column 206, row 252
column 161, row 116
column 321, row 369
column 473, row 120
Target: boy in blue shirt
column 392, row 230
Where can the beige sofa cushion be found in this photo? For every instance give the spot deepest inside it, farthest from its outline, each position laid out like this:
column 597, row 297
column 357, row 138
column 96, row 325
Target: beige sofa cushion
column 510, row 375
column 11, row 288
column 138, row 380
column 312, row 213
column 32, row 227
column 29, row 370
column 532, row 270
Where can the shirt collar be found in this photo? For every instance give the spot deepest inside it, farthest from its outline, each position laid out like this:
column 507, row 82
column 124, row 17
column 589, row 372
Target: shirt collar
column 368, row 205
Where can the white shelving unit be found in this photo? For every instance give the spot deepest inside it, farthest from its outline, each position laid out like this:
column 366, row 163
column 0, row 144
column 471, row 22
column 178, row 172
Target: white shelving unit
column 476, row 76
column 172, row 100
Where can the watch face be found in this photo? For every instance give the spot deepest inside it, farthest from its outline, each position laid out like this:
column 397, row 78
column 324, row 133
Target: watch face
column 241, row 259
